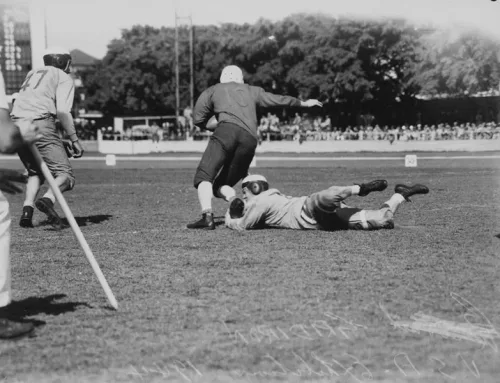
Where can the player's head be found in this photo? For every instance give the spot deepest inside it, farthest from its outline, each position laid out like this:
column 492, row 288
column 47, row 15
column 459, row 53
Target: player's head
column 253, row 185
column 231, row 73
column 57, row 57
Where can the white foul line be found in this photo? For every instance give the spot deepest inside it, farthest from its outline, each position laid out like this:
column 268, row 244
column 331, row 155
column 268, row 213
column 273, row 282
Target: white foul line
column 262, row 158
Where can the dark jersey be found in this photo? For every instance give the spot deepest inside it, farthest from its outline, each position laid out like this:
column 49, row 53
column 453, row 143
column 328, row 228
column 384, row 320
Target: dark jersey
column 237, row 103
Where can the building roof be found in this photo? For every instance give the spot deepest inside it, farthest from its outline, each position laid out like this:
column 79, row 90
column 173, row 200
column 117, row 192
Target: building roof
column 81, row 58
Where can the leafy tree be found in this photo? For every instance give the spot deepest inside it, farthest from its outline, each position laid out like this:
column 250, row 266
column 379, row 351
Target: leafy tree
column 458, row 64
column 353, row 66
column 135, row 76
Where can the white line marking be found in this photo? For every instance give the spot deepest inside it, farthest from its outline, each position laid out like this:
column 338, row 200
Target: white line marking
column 277, row 159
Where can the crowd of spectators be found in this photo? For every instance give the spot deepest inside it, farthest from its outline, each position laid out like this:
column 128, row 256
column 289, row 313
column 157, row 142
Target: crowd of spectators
column 302, row 128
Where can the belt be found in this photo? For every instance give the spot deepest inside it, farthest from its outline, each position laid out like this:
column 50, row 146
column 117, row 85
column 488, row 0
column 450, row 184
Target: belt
column 52, row 116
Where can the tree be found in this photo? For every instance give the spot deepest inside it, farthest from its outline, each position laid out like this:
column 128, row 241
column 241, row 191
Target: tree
column 458, row 64
column 136, row 75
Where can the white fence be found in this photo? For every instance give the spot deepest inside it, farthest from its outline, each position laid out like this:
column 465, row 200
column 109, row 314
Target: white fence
column 148, row 146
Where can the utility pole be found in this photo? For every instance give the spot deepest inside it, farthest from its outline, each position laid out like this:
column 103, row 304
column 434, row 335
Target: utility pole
column 191, row 62
column 178, row 86
column 177, row 92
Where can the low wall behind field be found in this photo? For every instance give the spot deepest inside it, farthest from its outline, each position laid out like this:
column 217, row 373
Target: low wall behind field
column 145, row 147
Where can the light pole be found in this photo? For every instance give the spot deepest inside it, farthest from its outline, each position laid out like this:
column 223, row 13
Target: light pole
column 177, row 64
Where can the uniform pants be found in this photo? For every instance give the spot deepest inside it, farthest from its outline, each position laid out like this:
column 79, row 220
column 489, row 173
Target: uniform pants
column 327, row 209
column 5, row 296
column 227, row 158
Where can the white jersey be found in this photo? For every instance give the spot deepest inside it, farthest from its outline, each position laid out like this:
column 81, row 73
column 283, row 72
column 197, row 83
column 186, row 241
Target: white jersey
column 45, row 91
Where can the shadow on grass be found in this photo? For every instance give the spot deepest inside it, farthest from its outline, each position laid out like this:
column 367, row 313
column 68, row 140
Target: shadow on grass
column 20, row 310
column 498, row 236
column 81, row 221
column 93, row 219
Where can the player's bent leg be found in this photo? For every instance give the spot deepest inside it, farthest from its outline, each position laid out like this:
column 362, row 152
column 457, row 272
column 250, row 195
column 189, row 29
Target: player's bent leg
column 32, row 188
column 238, row 167
column 219, row 151
column 331, row 198
column 211, row 164
column 226, row 192
column 372, row 219
column 320, row 208
column 8, row 328
column 205, row 196
column 5, row 221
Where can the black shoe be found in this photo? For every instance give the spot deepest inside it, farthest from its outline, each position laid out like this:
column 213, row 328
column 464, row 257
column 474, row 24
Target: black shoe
column 408, row 191
column 46, row 206
column 378, row 185
column 206, row 222
column 14, row 330
column 27, row 217
column 236, row 208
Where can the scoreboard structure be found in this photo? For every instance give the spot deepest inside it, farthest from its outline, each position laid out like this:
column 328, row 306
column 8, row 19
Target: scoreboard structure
column 22, row 41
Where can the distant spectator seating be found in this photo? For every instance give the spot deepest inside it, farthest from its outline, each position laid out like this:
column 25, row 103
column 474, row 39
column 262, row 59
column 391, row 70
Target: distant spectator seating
column 304, row 128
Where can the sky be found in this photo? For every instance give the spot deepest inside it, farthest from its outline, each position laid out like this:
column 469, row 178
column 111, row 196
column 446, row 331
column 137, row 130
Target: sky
column 89, row 25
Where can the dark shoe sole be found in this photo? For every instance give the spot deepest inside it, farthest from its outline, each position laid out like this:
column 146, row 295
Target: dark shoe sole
column 26, row 223
column 381, row 186
column 407, row 191
column 201, row 227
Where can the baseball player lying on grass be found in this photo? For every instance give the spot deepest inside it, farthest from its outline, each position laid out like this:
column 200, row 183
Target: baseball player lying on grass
column 262, row 207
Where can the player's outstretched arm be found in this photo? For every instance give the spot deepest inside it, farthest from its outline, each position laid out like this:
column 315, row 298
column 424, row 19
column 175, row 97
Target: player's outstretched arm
column 254, row 214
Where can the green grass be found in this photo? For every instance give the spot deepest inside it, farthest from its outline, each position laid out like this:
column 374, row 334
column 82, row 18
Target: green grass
column 270, row 305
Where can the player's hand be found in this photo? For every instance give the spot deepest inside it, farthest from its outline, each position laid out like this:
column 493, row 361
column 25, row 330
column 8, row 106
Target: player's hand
column 29, row 131
column 77, row 149
column 310, row 103
column 68, row 147
column 8, row 179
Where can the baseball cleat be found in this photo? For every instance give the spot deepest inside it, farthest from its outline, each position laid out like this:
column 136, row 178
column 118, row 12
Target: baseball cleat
column 367, row 188
column 206, row 222
column 46, row 206
column 27, row 217
column 408, row 191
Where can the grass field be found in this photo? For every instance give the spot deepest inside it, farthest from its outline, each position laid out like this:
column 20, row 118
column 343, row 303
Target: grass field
column 419, row 303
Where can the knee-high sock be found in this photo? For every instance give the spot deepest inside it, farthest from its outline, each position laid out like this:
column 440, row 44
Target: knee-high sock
column 394, row 202
column 5, row 296
column 63, row 183
column 32, row 187
column 226, row 192
column 205, row 195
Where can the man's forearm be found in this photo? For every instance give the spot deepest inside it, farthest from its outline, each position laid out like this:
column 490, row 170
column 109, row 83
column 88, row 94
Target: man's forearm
column 69, row 126
column 270, row 100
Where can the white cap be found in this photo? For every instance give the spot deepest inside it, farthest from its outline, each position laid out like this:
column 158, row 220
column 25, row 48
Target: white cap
column 56, row 51
column 231, row 73
column 253, row 177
